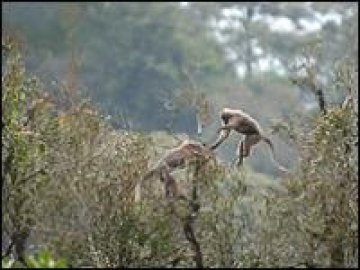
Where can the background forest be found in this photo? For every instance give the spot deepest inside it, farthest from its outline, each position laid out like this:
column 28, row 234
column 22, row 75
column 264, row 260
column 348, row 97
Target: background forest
column 93, row 94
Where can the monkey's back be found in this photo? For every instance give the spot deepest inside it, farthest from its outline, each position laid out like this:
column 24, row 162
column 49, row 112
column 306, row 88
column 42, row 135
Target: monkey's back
column 175, row 159
column 247, row 126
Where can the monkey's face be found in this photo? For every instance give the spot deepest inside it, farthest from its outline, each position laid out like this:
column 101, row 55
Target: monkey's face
column 225, row 117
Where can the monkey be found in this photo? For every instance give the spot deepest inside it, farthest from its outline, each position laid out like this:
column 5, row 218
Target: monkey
column 176, row 158
column 242, row 123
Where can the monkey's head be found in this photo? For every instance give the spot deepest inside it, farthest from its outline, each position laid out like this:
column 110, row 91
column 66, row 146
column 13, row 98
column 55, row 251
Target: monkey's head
column 225, row 116
column 227, row 113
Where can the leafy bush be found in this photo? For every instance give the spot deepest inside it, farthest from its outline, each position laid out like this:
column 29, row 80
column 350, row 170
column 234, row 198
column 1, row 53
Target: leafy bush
column 41, row 259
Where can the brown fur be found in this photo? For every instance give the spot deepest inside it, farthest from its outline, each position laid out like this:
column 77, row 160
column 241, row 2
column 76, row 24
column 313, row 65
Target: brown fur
column 176, row 158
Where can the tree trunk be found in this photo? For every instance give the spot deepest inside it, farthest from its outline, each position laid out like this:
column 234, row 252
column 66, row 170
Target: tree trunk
column 321, row 100
column 248, row 51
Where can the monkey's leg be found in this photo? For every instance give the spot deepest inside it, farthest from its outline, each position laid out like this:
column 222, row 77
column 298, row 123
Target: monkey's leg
column 171, row 188
column 240, row 153
column 250, row 140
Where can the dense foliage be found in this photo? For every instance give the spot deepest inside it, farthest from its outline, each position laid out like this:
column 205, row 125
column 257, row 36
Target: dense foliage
column 69, row 173
column 129, row 57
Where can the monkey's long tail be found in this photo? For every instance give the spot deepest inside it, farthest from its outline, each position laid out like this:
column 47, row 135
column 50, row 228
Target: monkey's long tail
column 281, row 168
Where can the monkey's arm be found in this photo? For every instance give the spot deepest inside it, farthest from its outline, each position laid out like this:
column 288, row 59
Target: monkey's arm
column 224, row 131
column 222, row 137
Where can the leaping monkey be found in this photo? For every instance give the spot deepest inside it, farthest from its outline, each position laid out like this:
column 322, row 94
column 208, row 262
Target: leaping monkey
column 242, row 123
